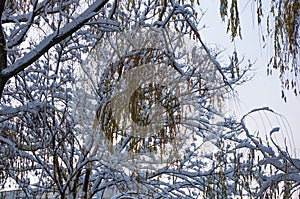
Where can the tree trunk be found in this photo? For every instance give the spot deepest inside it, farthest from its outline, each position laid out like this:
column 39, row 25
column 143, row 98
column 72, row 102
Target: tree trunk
column 3, row 53
column 2, row 84
column 86, row 182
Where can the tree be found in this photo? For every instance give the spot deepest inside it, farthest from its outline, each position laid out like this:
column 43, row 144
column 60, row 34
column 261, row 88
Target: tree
column 48, row 105
column 279, row 21
column 285, row 31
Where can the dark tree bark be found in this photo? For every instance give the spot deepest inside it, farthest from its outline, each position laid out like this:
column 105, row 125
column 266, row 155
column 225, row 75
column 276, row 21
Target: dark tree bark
column 3, row 53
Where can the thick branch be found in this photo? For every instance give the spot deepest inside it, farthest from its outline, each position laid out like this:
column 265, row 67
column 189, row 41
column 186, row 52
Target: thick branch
column 53, row 39
column 3, row 53
column 3, row 58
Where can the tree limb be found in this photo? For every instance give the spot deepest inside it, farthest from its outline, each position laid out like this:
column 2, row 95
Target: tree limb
column 50, row 41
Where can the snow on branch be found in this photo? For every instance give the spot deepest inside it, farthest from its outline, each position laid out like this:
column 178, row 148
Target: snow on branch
column 53, row 39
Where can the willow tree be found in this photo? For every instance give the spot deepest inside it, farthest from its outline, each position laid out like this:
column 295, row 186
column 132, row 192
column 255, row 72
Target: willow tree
column 46, row 115
column 280, row 20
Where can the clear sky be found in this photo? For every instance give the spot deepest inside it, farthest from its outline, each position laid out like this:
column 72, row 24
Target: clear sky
column 262, row 90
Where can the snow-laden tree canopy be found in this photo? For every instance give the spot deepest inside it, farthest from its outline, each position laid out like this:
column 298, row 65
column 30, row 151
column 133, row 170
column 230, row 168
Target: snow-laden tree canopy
column 81, row 83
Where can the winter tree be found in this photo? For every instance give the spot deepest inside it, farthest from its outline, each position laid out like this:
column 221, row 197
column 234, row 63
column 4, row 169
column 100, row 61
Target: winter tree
column 64, row 133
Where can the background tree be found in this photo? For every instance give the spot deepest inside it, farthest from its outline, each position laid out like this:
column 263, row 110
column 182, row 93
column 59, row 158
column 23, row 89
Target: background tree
column 43, row 44
column 279, row 21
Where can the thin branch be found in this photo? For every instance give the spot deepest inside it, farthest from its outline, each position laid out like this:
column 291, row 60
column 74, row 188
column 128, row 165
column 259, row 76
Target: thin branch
column 53, row 39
